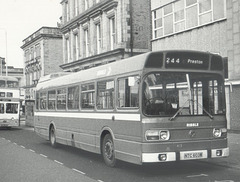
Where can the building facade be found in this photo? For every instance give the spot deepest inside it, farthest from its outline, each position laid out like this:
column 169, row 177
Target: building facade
column 100, row 31
column 206, row 25
column 42, row 56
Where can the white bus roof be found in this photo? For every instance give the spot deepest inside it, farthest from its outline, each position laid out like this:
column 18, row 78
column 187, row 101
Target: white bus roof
column 52, row 76
column 127, row 65
column 137, row 63
column 8, row 78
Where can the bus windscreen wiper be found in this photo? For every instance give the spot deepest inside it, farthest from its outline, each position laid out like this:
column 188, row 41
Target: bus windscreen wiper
column 181, row 108
column 211, row 116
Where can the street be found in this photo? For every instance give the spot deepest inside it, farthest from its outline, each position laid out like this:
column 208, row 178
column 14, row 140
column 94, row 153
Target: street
column 24, row 156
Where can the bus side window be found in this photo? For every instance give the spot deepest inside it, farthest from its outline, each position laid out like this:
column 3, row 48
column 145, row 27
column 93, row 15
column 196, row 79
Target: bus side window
column 105, row 94
column 73, row 97
column 61, row 99
column 43, row 100
column 1, row 108
column 128, row 92
column 51, row 99
column 88, row 96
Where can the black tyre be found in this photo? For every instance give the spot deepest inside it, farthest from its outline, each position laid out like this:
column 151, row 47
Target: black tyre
column 52, row 136
column 108, row 151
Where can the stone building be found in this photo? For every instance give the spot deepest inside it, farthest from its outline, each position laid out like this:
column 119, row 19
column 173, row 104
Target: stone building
column 100, row 31
column 42, row 56
column 207, row 25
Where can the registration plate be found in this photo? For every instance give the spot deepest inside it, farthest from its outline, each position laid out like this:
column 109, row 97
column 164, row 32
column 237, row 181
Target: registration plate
column 193, row 155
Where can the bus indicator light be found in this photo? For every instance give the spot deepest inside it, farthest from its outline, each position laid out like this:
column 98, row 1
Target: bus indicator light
column 152, row 135
column 217, row 132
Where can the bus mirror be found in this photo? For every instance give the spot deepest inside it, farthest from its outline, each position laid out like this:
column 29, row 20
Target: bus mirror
column 131, row 81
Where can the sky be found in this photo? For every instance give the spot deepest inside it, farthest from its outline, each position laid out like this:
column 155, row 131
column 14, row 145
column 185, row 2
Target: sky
column 21, row 18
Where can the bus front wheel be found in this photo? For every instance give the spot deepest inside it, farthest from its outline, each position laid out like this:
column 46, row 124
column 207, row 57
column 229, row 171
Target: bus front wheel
column 52, row 136
column 108, row 151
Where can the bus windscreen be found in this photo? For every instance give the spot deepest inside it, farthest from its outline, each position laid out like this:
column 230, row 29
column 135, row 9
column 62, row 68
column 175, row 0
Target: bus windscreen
column 166, row 94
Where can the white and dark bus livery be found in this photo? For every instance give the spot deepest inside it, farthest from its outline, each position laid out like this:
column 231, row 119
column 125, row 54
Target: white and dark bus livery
column 9, row 101
column 154, row 107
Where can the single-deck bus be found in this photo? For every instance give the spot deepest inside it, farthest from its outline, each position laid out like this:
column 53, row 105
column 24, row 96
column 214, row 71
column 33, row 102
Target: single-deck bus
column 9, row 101
column 155, row 107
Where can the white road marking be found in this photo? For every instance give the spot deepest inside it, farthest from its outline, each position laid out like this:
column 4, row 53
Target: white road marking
column 197, row 175
column 32, row 150
column 22, row 146
column 15, row 143
column 43, row 155
column 58, row 162
column 78, row 171
column 100, row 181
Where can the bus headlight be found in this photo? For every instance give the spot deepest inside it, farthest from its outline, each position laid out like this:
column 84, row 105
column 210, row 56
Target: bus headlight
column 218, row 132
column 156, row 135
column 164, row 135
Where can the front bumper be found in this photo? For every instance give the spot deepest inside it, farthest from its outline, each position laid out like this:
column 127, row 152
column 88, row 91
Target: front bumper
column 9, row 123
column 184, row 155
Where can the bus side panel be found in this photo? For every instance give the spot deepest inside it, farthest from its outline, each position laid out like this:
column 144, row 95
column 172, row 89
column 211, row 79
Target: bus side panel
column 70, row 131
column 127, row 138
column 41, row 127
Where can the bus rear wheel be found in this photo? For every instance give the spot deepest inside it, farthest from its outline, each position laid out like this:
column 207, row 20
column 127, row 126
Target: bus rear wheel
column 52, row 136
column 108, row 151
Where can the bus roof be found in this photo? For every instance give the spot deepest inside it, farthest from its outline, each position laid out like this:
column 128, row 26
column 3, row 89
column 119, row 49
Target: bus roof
column 127, row 65
column 180, row 59
column 8, row 78
column 52, row 76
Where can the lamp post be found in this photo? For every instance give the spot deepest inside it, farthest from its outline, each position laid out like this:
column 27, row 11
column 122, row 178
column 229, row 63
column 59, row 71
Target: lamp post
column 5, row 31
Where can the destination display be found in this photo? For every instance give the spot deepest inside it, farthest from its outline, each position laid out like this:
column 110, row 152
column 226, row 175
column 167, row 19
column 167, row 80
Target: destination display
column 186, row 60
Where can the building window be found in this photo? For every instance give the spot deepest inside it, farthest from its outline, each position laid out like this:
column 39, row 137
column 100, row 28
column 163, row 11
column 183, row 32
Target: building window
column 68, row 53
column 37, row 51
column 26, row 55
column 183, row 15
column 99, row 37
column 86, row 42
column 112, row 32
column 86, row 4
column 67, row 11
column 31, row 55
column 76, row 44
column 76, row 7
